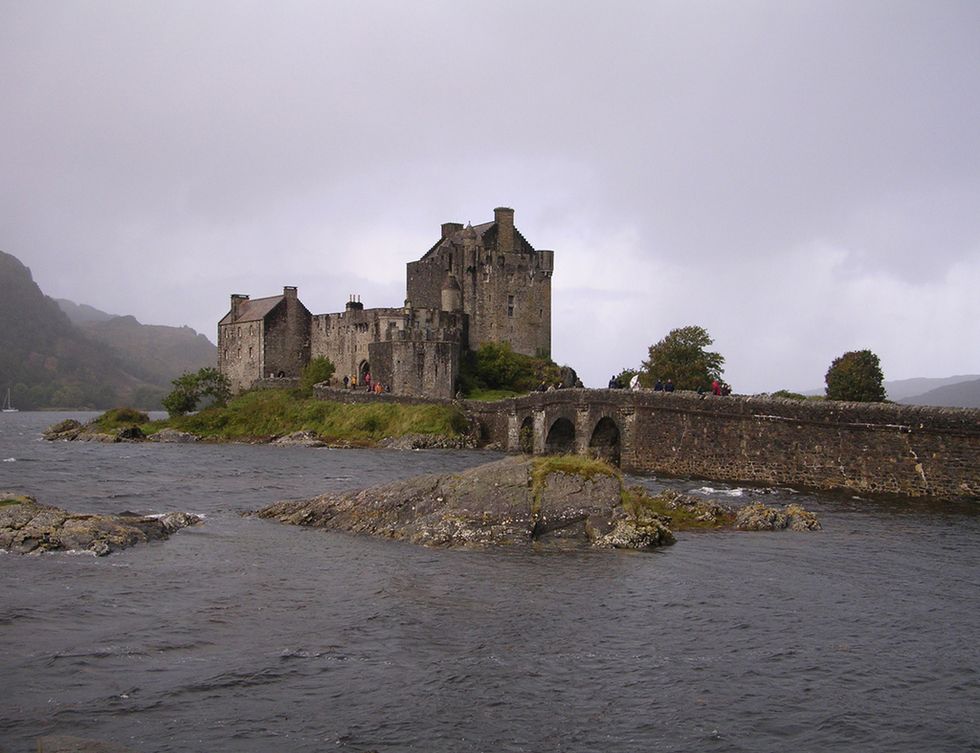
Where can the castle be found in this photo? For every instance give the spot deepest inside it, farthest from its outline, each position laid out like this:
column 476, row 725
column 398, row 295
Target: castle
column 476, row 285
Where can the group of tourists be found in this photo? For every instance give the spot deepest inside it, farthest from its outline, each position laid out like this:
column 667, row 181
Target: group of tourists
column 377, row 388
column 617, row 383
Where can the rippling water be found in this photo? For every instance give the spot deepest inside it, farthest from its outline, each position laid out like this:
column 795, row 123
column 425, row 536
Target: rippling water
column 247, row 635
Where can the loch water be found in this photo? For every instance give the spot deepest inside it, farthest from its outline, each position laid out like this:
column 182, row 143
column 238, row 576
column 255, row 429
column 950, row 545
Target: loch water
column 247, row 635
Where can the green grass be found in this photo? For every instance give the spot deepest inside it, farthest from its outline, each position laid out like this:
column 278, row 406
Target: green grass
column 12, row 501
column 120, row 418
column 576, row 465
column 641, row 505
column 269, row 413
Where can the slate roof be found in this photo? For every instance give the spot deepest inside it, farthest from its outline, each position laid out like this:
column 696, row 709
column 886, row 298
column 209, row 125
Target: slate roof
column 253, row 310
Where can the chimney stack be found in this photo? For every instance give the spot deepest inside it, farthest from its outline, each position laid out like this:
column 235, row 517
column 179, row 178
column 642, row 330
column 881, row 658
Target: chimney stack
column 448, row 228
column 237, row 299
column 504, row 217
column 289, row 291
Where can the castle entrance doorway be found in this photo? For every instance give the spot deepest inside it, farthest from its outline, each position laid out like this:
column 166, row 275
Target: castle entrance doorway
column 362, row 371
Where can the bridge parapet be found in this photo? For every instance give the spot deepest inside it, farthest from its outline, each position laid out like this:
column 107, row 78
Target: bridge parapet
column 867, row 447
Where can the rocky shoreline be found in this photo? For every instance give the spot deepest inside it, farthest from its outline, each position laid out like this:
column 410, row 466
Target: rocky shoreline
column 524, row 501
column 29, row 527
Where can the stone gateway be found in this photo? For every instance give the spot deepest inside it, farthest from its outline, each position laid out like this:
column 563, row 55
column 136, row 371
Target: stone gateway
column 475, row 285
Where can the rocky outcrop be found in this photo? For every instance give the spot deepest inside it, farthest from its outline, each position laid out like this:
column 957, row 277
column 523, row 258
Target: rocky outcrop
column 71, row 430
column 64, row 430
column 28, row 527
column 759, row 517
column 300, row 439
column 508, row 502
column 428, row 442
column 173, row 436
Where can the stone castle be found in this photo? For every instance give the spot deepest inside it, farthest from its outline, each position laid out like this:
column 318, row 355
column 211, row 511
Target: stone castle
column 477, row 284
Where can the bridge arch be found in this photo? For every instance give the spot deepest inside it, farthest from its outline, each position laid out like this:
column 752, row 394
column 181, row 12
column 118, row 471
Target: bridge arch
column 561, row 437
column 525, row 436
column 606, row 441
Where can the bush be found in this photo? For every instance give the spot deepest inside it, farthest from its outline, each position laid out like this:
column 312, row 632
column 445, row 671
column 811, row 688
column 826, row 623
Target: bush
column 320, row 369
column 495, row 366
column 191, row 388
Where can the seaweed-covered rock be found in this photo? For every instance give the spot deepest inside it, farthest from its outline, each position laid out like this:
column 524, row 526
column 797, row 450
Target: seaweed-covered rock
column 26, row 526
column 760, row 517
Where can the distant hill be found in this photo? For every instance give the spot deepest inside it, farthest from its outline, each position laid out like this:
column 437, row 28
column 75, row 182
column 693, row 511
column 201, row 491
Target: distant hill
column 153, row 352
column 920, row 391
column 956, row 395
column 48, row 362
column 82, row 313
column 901, row 389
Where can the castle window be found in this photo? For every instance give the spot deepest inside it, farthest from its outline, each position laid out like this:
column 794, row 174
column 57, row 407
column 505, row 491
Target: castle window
column 250, row 352
column 251, row 329
column 510, row 305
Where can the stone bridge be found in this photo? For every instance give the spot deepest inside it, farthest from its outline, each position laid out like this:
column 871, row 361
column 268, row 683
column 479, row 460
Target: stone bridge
column 865, row 447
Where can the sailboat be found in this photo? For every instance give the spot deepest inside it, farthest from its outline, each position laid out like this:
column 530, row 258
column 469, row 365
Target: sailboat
column 7, row 407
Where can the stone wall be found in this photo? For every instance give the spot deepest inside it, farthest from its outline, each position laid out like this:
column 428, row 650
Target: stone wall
column 286, row 338
column 865, row 447
column 240, row 353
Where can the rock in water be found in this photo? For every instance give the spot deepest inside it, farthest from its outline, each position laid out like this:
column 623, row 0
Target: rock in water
column 511, row 501
column 759, row 517
column 27, row 526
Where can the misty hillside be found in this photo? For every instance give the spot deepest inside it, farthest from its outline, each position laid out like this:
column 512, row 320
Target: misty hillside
column 153, row 352
column 956, row 395
column 82, row 313
column 901, row 389
column 47, row 362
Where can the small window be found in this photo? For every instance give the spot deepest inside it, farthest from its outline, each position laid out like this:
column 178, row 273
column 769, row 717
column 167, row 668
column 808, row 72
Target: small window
column 510, row 305
column 250, row 352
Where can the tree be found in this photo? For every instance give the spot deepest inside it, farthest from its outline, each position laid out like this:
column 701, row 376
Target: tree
column 856, row 376
column 191, row 387
column 319, row 369
column 681, row 357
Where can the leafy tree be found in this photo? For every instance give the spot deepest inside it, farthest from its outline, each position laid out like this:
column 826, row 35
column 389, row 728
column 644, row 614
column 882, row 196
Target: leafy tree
column 496, row 366
column 856, row 376
column 681, row 356
column 319, row 369
column 191, row 387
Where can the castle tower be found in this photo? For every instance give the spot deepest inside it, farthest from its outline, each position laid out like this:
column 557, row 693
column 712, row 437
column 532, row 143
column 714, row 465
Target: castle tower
column 504, row 283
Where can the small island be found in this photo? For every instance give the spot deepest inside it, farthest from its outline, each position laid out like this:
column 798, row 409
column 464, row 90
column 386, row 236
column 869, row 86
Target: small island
column 525, row 501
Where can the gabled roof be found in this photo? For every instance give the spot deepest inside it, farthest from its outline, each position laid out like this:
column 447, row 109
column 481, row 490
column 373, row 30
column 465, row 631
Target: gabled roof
column 253, row 310
column 480, row 230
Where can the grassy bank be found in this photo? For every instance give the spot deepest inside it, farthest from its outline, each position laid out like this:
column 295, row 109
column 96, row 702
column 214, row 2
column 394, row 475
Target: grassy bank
column 263, row 414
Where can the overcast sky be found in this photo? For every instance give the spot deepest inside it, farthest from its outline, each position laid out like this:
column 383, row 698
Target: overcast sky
column 799, row 178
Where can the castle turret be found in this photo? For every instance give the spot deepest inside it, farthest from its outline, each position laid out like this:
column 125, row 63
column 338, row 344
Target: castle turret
column 452, row 294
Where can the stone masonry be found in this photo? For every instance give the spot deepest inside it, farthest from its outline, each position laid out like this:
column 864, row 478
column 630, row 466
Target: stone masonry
column 475, row 285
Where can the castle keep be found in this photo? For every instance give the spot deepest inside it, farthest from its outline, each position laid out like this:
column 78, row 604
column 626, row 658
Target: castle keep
column 475, row 285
